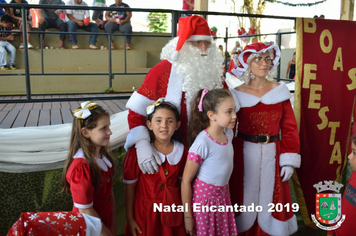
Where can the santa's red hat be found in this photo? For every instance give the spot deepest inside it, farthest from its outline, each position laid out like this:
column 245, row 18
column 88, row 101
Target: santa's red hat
column 256, row 48
column 191, row 28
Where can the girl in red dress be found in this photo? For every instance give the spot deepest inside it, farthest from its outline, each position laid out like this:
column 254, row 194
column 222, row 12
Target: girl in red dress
column 145, row 191
column 89, row 169
column 88, row 176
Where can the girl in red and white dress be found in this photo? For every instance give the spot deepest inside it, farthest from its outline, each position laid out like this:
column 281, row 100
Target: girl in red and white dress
column 88, row 172
column 209, row 165
column 143, row 191
column 266, row 149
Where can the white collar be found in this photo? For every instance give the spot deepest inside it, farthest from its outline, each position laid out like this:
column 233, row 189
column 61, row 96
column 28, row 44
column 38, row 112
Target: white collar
column 274, row 96
column 103, row 162
column 173, row 157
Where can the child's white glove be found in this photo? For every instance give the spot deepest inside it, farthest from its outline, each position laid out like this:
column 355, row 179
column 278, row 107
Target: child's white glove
column 287, row 171
column 147, row 158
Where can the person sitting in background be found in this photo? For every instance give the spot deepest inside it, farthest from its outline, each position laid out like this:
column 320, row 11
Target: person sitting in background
column 6, row 21
column 16, row 13
column 188, row 5
column 49, row 18
column 3, row 10
column 119, row 20
column 77, row 17
column 98, row 14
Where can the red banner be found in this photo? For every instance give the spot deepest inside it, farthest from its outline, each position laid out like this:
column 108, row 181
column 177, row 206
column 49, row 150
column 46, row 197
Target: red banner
column 324, row 99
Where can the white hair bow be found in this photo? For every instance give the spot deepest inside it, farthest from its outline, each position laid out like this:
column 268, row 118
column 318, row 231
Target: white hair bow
column 84, row 111
column 151, row 107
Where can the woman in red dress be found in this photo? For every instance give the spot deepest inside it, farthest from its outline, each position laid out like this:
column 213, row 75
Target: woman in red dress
column 266, row 149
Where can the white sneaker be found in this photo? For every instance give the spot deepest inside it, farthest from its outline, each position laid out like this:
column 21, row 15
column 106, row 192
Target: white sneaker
column 21, row 46
column 29, row 45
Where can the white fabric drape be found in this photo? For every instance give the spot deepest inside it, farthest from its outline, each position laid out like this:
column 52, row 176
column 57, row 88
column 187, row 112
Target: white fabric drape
column 29, row 149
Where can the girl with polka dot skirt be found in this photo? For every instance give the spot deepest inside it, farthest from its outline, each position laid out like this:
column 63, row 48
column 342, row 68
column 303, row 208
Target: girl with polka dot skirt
column 209, row 165
column 145, row 193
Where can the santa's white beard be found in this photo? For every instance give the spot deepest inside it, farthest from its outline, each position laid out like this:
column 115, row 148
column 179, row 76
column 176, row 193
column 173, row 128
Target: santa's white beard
column 199, row 69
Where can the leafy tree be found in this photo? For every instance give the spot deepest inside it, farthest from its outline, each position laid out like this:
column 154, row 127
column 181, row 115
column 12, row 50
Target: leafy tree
column 158, row 22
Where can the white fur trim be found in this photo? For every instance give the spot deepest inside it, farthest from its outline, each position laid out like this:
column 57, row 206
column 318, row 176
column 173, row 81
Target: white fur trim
column 237, row 102
column 174, row 56
column 276, row 227
column 277, row 95
column 200, row 37
column 174, row 89
column 136, row 134
column 290, row 159
column 81, row 206
column 232, row 81
column 251, row 183
column 238, row 71
column 259, row 183
column 274, row 96
column 138, row 103
column 126, row 181
column 93, row 225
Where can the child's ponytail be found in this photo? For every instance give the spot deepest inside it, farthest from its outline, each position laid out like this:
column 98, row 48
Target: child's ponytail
column 199, row 119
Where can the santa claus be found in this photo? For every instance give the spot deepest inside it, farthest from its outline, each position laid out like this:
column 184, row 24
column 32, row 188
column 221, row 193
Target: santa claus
column 189, row 62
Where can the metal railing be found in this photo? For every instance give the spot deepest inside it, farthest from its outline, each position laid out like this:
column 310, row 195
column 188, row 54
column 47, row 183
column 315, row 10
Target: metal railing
column 175, row 14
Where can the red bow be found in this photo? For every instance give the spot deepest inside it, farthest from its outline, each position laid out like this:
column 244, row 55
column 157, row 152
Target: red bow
column 242, row 31
column 251, row 31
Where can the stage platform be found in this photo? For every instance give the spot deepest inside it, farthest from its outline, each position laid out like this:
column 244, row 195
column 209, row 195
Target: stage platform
column 14, row 115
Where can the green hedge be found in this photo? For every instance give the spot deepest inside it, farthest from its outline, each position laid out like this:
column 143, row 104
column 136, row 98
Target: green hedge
column 40, row 191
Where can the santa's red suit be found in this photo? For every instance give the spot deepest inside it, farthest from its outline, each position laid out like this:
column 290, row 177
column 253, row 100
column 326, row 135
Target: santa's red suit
column 256, row 176
column 161, row 81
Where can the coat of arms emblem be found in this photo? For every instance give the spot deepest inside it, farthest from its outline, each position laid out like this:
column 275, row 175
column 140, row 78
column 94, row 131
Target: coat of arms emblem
column 328, row 206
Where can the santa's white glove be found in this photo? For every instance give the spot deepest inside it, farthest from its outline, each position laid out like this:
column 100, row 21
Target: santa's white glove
column 287, row 172
column 147, row 158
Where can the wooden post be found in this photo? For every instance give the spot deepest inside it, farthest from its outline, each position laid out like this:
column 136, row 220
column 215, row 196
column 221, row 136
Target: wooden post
column 201, row 5
column 347, row 10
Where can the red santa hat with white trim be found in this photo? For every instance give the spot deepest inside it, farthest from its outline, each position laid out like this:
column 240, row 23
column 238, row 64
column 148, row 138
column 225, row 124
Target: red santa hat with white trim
column 191, row 28
column 256, row 48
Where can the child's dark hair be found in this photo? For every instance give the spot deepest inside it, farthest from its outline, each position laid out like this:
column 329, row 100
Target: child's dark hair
column 77, row 141
column 171, row 107
column 200, row 120
column 6, row 18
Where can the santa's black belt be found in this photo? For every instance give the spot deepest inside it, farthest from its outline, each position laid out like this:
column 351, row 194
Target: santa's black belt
column 262, row 138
